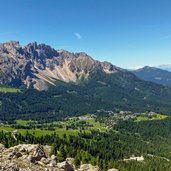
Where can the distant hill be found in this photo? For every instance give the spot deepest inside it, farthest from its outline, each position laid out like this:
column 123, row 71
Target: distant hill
column 166, row 67
column 155, row 75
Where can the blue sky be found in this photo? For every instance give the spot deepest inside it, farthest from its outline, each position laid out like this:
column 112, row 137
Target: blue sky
column 128, row 33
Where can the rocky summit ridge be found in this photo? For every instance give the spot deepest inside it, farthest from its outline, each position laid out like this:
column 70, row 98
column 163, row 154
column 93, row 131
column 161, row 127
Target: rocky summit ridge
column 39, row 65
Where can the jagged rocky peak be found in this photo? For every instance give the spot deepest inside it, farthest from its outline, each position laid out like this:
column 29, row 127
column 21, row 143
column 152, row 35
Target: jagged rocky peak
column 11, row 44
column 38, row 65
column 31, row 47
column 109, row 68
column 64, row 54
column 12, row 47
column 78, row 62
column 40, row 51
column 83, row 62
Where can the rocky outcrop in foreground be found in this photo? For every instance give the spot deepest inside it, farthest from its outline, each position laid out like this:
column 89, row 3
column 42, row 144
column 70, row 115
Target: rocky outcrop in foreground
column 29, row 157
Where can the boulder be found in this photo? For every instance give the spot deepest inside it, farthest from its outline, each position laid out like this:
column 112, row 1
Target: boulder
column 31, row 159
column 47, row 150
column 66, row 166
column 52, row 163
column 39, row 153
column 40, row 163
column 2, row 148
column 53, row 157
column 113, row 169
column 18, row 154
column 9, row 167
column 11, row 155
column 88, row 167
column 45, row 160
column 24, row 157
column 70, row 160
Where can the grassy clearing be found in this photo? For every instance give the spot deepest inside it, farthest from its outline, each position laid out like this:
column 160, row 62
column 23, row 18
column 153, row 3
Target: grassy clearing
column 146, row 117
column 22, row 122
column 97, row 125
column 6, row 129
column 90, row 124
column 87, row 125
column 160, row 116
column 38, row 132
column 9, row 90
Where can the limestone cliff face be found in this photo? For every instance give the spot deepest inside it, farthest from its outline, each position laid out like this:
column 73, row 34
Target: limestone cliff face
column 39, row 65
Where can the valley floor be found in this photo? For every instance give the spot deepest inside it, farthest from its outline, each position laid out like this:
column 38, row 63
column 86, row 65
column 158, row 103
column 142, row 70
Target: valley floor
column 125, row 140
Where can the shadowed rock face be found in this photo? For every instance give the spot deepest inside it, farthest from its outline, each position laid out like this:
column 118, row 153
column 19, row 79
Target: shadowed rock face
column 38, row 65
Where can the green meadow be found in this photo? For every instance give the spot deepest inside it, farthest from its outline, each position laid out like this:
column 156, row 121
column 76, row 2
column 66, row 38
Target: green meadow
column 66, row 127
column 9, row 90
column 146, row 117
column 39, row 132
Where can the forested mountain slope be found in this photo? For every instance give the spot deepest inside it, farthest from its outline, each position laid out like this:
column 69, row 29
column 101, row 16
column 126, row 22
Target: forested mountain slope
column 71, row 84
column 155, row 75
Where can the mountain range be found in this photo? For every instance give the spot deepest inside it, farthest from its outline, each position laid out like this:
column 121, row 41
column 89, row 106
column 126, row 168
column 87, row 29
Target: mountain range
column 154, row 74
column 75, row 83
column 39, row 65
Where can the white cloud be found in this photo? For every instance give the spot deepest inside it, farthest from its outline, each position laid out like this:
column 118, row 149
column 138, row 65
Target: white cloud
column 133, row 67
column 78, row 35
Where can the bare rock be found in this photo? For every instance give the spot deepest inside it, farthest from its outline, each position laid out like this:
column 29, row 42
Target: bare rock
column 9, row 167
column 70, row 160
column 38, row 64
column 18, row 154
column 2, row 148
column 52, row 163
column 11, row 155
column 45, row 160
column 53, row 157
column 39, row 153
column 40, row 163
column 66, row 166
column 24, row 157
column 88, row 167
column 31, row 159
